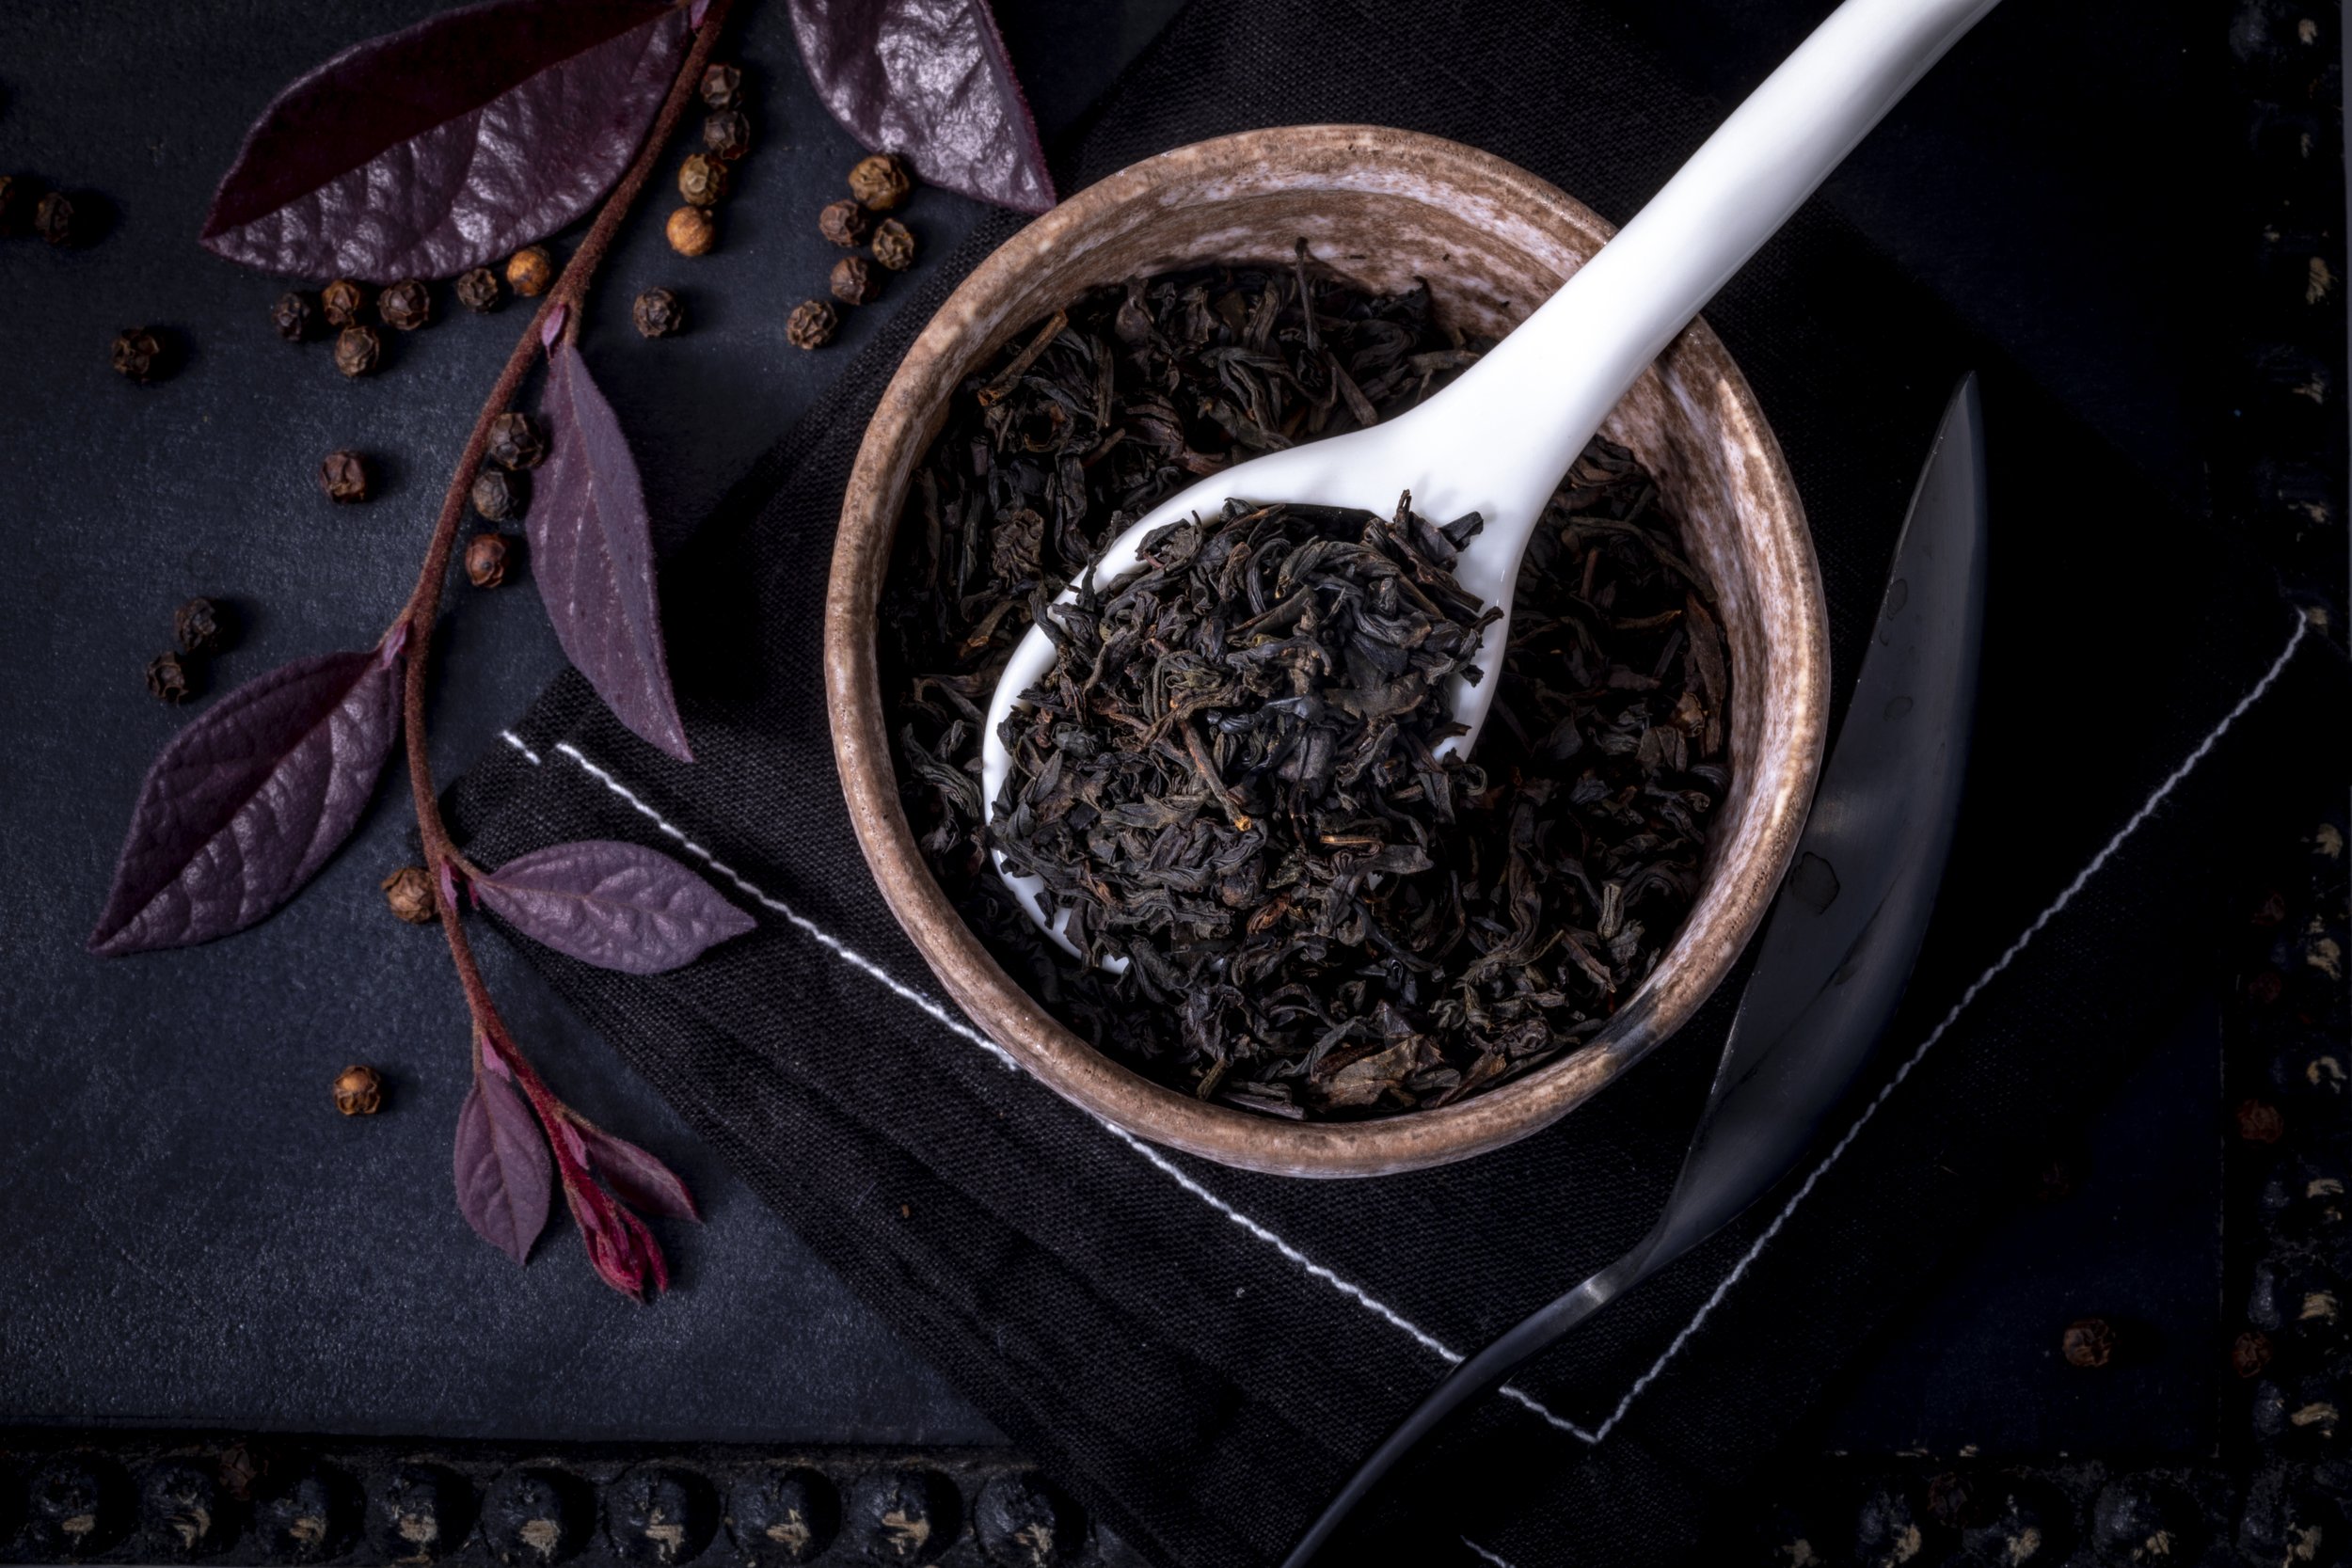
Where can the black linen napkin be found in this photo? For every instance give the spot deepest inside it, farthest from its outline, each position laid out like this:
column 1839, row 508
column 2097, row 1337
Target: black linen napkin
column 1203, row 1354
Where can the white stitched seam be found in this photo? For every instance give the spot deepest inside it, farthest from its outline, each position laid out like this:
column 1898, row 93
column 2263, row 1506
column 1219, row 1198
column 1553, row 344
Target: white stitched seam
column 1495, row 1558
column 516, row 741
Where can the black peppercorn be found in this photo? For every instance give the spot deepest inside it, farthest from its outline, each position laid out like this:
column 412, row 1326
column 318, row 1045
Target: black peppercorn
column 359, row 1091
column 845, row 223
column 423, row 1516
column 18, row 197
column 498, row 495
column 727, row 135
column 2088, row 1342
column 405, row 305
column 901, row 1516
column 1887, row 1531
column 811, row 324
column 168, row 678
column 702, row 178
column 138, row 353
column 517, row 441
column 854, row 280
column 344, row 302
column 692, row 232
column 485, row 560
column 893, row 246
column 344, row 475
column 657, row 313
column 2259, row 1122
column 1019, row 1519
column 358, row 351
column 77, row 1506
column 309, row 1518
column 2026, row 1529
column 530, row 270
column 478, row 288
column 722, row 87
column 54, row 219
column 184, row 1513
column 783, row 1517
column 2141, row 1521
column 881, row 181
column 660, row 1516
column 409, row 892
column 294, row 315
column 2249, row 1352
column 535, row 1517
column 202, row 627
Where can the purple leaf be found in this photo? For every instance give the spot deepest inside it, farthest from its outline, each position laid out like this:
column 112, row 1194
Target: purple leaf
column 591, row 555
column 636, row 1176
column 429, row 151
column 503, row 1177
column 247, row 802
column 614, row 904
column 928, row 80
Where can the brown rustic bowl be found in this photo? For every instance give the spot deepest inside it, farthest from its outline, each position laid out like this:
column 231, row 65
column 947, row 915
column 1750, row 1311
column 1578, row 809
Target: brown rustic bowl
column 1383, row 207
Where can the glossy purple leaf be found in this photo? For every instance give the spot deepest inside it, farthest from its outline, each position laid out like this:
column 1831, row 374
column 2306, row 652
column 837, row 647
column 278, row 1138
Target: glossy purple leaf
column 429, row 151
column 247, row 802
column 614, row 904
column 505, row 1177
column 591, row 555
column 928, row 80
column 635, row 1176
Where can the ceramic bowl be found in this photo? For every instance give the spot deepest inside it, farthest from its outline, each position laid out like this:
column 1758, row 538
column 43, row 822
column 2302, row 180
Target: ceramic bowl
column 1382, row 207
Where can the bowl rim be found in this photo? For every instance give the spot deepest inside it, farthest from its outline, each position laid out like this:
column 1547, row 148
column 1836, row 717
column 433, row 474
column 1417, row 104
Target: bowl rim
column 1116, row 1093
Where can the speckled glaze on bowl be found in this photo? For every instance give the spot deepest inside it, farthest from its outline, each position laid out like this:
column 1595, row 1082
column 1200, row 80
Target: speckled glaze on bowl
column 1382, row 207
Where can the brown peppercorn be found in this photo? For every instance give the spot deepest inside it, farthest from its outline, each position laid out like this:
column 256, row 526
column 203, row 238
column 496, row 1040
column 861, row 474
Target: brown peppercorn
column 485, row 560
column 2250, row 1354
column 344, row 302
column 517, row 441
column 138, row 353
column 359, row 1091
column 881, row 181
column 657, row 313
column 344, row 475
column 168, row 678
column 201, row 627
column 478, row 288
column 702, row 180
column 692, row 232
column 501, row 496
column 17, row 200
column 54, row 219
column 727, row 135
column 811, row 324
column 409, row 892
column 2088, row 1342
column 358, row 350
column 2260, row 1122
column 2267, row 987
column 405, row 305
column 845, row 223
column 722, row 87
column 530, row 270
column 854, row 282
column 294, row 315
column 893, row 246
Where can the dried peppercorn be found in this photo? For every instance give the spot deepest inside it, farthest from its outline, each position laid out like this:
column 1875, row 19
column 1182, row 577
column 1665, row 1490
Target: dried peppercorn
column 854, row 282
column 727, row 135
column 517, row 441
column 168, row 678
column 845, row 223
column 881, row 181
column 358, row 351
column 702, row 180
column 722, row 87
column 359, row 1091
column 478, row 288
column 500, row 496
column 294, row 315
column 485, row 560
column 344, row 475
column 344, row 302
column 202, row 627
column 811, row 324
column 692, row 232
column 405, row 305
column 2088, row 1342
column 409, row 892
column 138, row 353
column 530, row 270
column 2260, row 1122
column 55, row 220
column 893, row 246
column 657, row 313
column 17, row 200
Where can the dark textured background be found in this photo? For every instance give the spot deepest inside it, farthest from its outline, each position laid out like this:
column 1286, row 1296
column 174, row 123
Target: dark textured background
column 193, row 1237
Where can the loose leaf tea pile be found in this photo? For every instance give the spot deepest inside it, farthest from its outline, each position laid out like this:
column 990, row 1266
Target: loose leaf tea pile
column 1228, row 776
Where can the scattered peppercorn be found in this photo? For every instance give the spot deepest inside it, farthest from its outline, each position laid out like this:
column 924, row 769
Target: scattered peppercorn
column 409, row 892
column 293, row 316
column 893, row 246
column 657, row 313
column 845, row 223
column 517, row 441
column 168, row 678
column 359, row 1091
column 478, row 288
column 853, row 280
column 2260, row 1122
column 358, row 349
column 501, row 496
column 2088, row 1342
column 2250, row 1354
column 2267, row 987
column 17, row 201
column 138, row 353
column 881, row 181
column 54, row 219
column 485, row 560
column 202, row 627
column 702, row 178
column 530, row 270
column 727, row 135
column 405, row 305
column 722, row 86
column 344, row 475
column 692, row 232
column 344, row 302
column 811, row 324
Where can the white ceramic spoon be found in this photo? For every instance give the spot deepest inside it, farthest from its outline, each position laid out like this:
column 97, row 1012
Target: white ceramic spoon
column 1500, row 438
